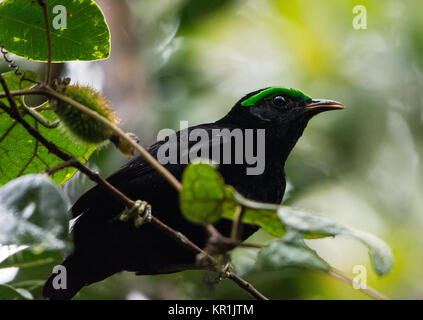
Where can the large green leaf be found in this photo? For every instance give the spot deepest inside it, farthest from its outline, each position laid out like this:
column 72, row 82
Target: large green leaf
column 291, row 251
column 10, row 293
column 23, row 31
column 33, row 212
column 21, row 154
column 205, row 199
column 314, row 226
column 203, row 193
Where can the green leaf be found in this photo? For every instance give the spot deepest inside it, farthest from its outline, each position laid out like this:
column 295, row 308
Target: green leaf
column 315, row 226
column 291, row 251
column 21, row 154
column 33, row 212
column 9, row 293
column 23, row 30
column 203, row 193
column 380, row 253
column 205, row 198
column 28, row 258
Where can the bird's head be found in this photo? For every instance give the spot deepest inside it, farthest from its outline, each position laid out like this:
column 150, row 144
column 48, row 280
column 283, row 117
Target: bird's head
column 278, row 107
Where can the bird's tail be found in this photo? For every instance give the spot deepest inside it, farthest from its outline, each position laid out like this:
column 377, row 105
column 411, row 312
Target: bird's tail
column 66, row 280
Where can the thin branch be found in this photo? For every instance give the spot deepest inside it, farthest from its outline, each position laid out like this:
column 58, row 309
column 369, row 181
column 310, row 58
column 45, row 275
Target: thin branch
column 24, row 92
column 211, row 230
column 246, row 286
column 181, row 238
column 146, row 155
column 40, row 119
column 43, row 4
column 70, row 163
column 369, row 291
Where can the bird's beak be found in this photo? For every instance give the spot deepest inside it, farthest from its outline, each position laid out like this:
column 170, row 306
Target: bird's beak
column 324, row 105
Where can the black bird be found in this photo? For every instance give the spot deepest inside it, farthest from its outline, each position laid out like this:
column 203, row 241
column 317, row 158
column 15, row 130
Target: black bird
column 104, row 246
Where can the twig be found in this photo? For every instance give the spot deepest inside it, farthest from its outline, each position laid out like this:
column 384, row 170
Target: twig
column 43, row 4
column 39, row 118
column 212, row 231
column 181, row 238
column 369, row 291
column 70, row 163
column 24, row 92
column 146, row 155
column 246, row 286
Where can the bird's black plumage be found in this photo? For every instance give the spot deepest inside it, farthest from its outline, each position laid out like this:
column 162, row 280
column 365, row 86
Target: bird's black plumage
column 104, row 246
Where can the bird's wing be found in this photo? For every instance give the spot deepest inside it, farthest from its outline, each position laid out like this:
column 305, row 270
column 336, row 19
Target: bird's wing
column 137, row 170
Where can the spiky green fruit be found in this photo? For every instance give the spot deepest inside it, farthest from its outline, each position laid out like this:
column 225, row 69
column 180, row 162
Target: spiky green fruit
column 82, row 125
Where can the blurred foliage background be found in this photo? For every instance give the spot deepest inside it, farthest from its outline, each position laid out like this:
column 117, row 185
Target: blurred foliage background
column 192, row 60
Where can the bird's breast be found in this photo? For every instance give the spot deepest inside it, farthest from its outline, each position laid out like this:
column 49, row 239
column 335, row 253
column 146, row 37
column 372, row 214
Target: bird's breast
column 266, row 187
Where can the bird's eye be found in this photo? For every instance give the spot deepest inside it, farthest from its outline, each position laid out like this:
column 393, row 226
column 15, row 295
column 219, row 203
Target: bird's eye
column 279, row 101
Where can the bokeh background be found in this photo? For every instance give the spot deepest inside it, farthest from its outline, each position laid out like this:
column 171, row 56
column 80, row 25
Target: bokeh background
column 192, row 60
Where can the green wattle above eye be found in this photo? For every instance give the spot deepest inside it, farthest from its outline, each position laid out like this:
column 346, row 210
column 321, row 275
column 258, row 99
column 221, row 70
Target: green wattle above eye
column 271, row 92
